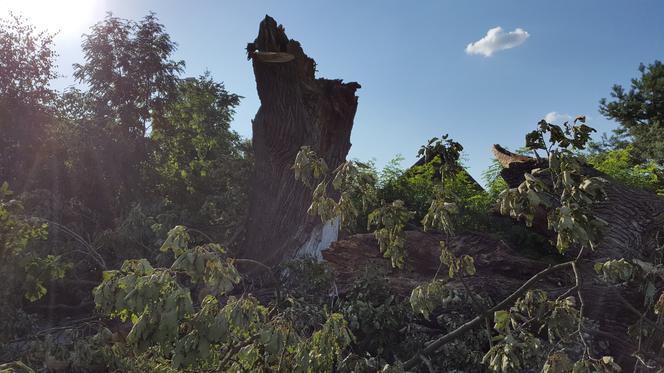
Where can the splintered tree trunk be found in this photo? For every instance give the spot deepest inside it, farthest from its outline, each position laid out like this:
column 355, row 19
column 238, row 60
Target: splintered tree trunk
column 296, row 110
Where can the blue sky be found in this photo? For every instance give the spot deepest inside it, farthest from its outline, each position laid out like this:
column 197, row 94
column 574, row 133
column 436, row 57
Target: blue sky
column 410, row 58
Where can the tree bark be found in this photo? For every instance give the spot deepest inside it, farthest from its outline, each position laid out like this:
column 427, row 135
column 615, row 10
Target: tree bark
column 635, row 218
column 296, row 110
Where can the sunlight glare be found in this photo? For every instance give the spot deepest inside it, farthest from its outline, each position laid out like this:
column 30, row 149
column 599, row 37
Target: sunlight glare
column 67, row 17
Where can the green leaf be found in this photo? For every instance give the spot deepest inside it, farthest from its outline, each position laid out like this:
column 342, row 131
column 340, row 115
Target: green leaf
column 501, row 319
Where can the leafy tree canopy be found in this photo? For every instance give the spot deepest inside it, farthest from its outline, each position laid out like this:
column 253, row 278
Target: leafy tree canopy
column 28, row 62
column 129, row 70
column 640, row 113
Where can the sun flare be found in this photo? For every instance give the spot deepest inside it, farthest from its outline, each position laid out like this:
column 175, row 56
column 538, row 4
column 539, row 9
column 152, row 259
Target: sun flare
column 66, row 17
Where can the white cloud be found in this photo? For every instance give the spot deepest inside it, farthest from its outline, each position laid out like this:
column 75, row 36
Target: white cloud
column 557, row 118
column 497, row 40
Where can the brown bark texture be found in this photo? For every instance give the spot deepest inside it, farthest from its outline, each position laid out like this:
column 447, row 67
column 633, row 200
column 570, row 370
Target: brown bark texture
column 296, row 109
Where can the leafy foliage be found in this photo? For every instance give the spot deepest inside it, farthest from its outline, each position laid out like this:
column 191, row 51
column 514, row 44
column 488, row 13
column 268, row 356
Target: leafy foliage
column 426, row 298
column 639, row 113
column 238, row 333
column 375, row 316
column 647, row 277
column 353, row 182
column 439, row 216
column 356, row 184
column 201, row 165
column 623, row 165
column 562, row 188
column 565, row 137
column 86, row 161
column 309, row 167
column 16, row 232
column 457, row 266
column 615, row 270
column 28, row 62
column 536, row 324
column 27, row 65
column 23, row 272
column 414, row 186
column 129, row 72
column 444, row 153
column 390, row 221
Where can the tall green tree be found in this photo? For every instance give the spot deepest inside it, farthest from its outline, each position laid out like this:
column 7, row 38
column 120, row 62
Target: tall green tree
column 129, row 71
column 28, row 62
column 132, row 78
column 27, row 65
column 640, row 113
column 202, row 165
column 84, row 145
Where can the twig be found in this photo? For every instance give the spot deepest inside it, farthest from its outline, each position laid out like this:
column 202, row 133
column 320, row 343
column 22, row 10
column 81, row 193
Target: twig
column 235, row 349
column 80, row 282
column 435, row 276
column 576, row 278
column 427, row 363
column 638, row 313
column 268, row 269
column 92, row 252
column 640, row 359
column 568, row 292
column 15, row 364
column 478, row 308
column 420, row 328
column 577, row 285
column 251, row 261
column 283, row 351
column 438, row 343
column 205, row 235
column 72, row 325
column 62, row 307
column 265, row 267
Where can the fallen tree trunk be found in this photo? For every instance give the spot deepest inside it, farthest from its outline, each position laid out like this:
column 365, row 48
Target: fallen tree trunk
column 634, row 219
column 496, row 263
column 296, row 110
column 635, row 216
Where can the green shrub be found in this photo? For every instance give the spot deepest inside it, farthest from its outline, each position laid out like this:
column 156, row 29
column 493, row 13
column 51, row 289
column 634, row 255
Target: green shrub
column 624, row 166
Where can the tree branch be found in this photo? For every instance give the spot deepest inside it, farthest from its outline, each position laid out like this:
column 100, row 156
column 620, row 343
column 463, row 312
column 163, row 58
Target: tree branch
column 234, row 350
column 438, row 343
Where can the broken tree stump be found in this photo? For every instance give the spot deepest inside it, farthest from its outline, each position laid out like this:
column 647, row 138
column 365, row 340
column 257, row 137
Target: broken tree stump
column 296, row 110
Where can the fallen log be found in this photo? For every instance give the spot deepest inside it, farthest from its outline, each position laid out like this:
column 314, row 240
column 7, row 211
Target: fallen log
column 635, row 218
